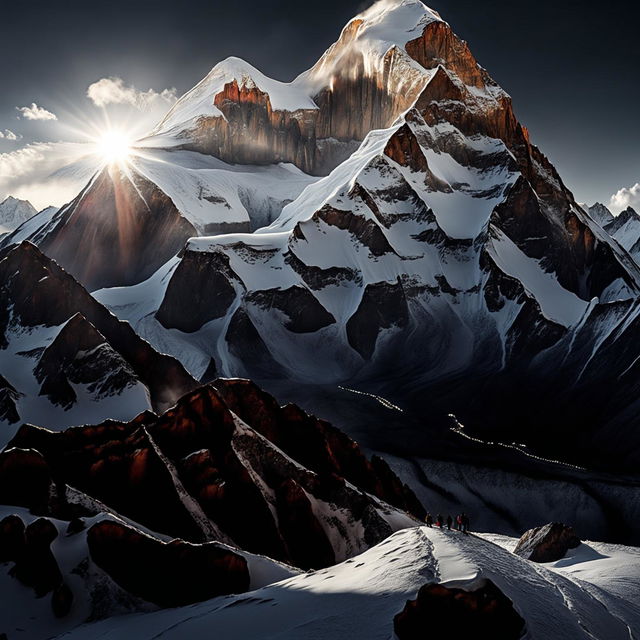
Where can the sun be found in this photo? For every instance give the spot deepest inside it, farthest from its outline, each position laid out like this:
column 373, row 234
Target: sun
column 114, row 146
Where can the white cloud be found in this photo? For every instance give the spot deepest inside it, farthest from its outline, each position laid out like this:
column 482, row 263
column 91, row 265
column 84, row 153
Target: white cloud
column 114, row 91
column 10, row 135
column 37, row 172
column 34, row 112
column 626, row 197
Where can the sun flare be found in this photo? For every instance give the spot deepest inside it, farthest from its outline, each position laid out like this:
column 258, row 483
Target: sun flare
column 114, row 146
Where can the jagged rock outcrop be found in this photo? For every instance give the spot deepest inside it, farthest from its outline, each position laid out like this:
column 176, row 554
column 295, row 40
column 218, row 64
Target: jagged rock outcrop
column 75, row 345
column 316, row 444
column 169, row 574
column 80, row 355
column 484, row 612
column 211, row 301
column 250, row 131
column 203, row 472
column 547, row 543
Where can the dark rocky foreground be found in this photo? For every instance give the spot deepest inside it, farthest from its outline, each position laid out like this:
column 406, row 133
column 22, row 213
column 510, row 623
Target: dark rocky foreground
column 168, row 506
column 439, row 611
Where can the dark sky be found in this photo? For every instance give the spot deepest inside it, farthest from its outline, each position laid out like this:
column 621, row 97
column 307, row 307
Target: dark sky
column 571, row 67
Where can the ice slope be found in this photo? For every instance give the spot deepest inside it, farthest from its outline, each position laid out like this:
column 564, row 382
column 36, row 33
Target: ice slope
column 592, row 594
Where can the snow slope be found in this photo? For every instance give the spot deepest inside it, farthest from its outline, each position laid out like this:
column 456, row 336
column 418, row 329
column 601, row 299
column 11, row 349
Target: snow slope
column 208, row 191
column 593, row 594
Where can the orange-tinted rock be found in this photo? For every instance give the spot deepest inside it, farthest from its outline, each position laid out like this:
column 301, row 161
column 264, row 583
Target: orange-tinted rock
column 315, row 443
column 168, row 574
column 438, row 611
column 252, row 132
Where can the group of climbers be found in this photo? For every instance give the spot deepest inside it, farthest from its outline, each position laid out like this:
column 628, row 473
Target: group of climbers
column 461, row 522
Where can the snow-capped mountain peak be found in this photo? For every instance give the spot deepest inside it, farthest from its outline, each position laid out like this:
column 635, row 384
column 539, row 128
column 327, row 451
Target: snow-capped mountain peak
column 600, row 213
column 200, row 102
column 13, row 212
column 385, row 26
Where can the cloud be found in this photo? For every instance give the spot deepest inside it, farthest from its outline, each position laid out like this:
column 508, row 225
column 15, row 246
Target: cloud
column 10, row 135
column 626, row 197
column 41, row 172
column 34, row 112
column 114, row 91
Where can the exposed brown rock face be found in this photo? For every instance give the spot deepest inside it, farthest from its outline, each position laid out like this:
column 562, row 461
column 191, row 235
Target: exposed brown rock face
column 365, row 231
column 438, row 610
column 548, row 543
column 118, row 465
column 169, row 574
column 438, row 45
column 252, row 132
column 199, row 473
column 352, row 102
column 45, row 294
column 315, row 443
column 124, row 228
column 358, row 99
